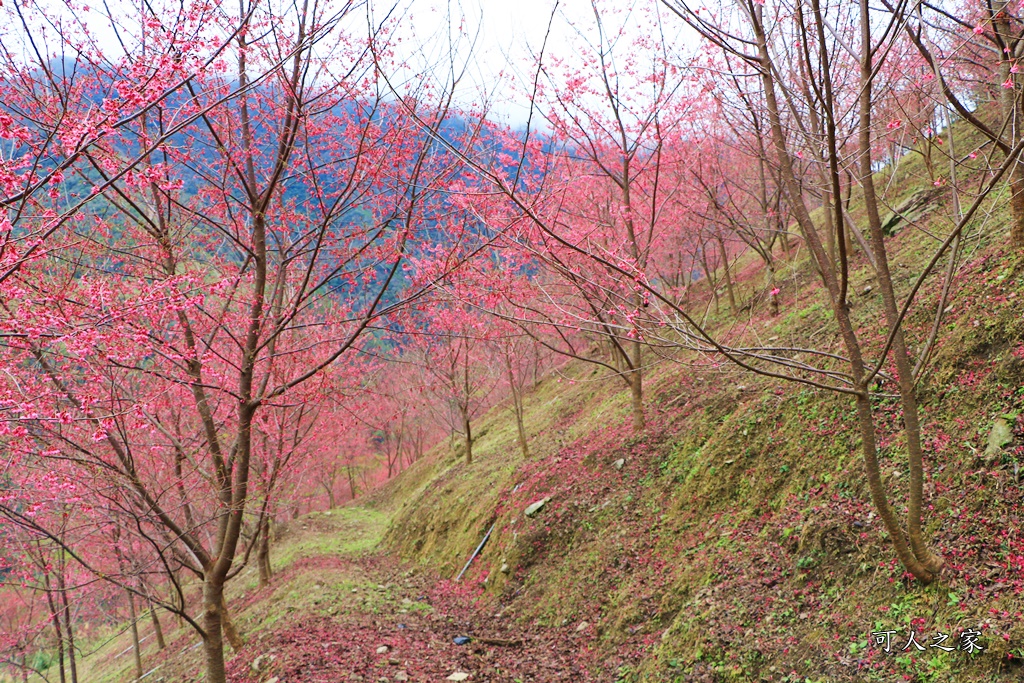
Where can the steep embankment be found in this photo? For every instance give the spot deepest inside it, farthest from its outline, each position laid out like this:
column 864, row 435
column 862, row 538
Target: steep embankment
column 735, row 539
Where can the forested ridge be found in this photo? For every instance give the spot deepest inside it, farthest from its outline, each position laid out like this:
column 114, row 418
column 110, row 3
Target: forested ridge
column 314, row 366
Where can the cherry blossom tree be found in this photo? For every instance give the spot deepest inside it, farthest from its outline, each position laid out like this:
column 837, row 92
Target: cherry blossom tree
column 246, row 236
column 973, row 51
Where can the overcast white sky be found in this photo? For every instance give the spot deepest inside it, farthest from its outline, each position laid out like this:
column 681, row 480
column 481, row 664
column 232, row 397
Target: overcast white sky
column 509, row 33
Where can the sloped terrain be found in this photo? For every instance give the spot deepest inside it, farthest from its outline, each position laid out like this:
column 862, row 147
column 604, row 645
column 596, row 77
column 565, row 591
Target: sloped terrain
column 735, row 539
column 338, row 610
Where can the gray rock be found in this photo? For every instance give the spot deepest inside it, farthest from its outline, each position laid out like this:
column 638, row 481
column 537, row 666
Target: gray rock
column 505, row 568
column 383, row 650
column 1000, row 435
column 401, row 676
column 262, row 662
column 582, row 627
column 458, row 676
column 619, row 464
column 530, row 511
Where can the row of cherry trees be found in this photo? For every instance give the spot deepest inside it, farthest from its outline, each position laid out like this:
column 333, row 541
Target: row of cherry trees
column 203, row 226
column 783, row 118
column 249, row 265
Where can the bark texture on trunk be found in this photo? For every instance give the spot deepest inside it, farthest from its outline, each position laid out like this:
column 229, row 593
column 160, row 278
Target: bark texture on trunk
column 213, row 643
column 136, row 645
column 158, row 629
column 263, row 554
column 1011, row 119
column 467, row 437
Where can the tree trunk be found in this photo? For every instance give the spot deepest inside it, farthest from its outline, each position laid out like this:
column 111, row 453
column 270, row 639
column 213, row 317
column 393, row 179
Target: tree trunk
column 830, row 229
column 55, row 620
column 524, row 445
column 136, row 646
column 773, row 297
column 1017, row 187
column 69, row 631
column 1011, row 119
column 178, row 600
column 467, row 436
column 636, row 387
column 710, row 279
column 836, row 288
column 158, row 630
column 931, row 562
column 213, row 643
column 263, row 554
column 230, row 632
column 869, row 450
column 728, row 277
column 517, row 405
column 351, row 481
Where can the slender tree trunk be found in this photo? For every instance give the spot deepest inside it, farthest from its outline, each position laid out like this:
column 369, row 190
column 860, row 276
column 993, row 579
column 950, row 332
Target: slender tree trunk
column 851, row 226
column 263, row 554
column 69, row 631
column 912, row 430
column 1011, row 119
column 636, row 387
column 136, row 646
column 351, row 481
column 524, row 446
column 178, row 600
column 467, row 432
column 830, row 229
column 869, row 450
column 1017, row 203
column 773, row 297
column 836, row 288
column 710, row 279
column 728, row 277
column 230, row 632
column 55, row 620
column 158, row 629
column 536, row 366
column 517, row 405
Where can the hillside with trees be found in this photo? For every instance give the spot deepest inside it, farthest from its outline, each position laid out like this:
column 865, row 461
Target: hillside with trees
column 317, row 367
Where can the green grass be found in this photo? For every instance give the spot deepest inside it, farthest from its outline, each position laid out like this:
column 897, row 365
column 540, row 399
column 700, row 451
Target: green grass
column 341, row 533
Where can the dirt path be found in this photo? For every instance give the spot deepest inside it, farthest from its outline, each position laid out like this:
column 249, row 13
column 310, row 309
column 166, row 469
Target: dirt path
column 340, row 612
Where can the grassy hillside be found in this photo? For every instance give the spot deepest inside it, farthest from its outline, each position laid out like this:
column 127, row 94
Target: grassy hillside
column 315, row 563
column 735, row 539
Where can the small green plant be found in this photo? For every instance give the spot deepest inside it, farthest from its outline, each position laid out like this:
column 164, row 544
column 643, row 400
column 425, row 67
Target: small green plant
column 807, row 562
